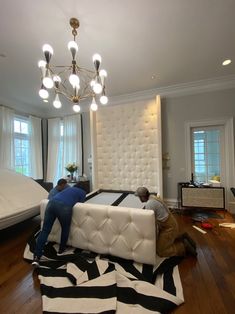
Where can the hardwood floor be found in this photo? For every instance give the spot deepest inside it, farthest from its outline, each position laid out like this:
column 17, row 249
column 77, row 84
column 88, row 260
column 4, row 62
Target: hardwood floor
column 19, row 286
column 208, row 281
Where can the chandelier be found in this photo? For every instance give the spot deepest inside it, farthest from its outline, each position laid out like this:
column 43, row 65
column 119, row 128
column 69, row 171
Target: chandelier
column 74, row 82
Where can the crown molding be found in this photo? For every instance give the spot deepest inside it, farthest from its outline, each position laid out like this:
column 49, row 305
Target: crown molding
column 191, row 88
column 178, row 90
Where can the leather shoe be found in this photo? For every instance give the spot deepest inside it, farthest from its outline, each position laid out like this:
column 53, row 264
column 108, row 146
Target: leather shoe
column 189, row 248
column 190, row 240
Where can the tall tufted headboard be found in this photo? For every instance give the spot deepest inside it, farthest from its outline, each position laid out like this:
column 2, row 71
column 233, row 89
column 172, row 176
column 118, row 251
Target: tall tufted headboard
column 126, row 146
column 119, row 231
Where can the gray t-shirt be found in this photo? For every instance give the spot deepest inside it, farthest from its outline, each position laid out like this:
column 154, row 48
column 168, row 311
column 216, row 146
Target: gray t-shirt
column 160, row 209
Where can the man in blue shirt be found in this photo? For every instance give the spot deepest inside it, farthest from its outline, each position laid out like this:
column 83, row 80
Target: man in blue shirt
column 60, row 206
column 61, row 185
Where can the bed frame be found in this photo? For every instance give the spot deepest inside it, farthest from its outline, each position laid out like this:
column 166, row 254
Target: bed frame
column 125, row 232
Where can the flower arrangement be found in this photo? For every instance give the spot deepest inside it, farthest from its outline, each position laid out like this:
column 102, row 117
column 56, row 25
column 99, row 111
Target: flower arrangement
column 71, row 168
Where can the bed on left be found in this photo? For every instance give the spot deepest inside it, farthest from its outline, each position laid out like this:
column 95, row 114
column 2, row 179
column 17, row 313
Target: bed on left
column 20, row 198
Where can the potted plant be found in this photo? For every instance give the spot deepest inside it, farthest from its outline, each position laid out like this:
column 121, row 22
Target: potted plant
column 71, row 168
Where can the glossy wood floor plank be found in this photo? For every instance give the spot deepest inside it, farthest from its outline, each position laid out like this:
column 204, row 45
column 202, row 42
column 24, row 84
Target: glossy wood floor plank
column 208, row 281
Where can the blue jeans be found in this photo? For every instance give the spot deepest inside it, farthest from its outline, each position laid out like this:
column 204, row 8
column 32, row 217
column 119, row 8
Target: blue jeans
column 55, row 209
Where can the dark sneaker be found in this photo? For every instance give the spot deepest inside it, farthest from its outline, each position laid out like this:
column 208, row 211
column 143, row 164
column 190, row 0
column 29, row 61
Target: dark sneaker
column 190, row 240
column 35, row 262
column 189, row 248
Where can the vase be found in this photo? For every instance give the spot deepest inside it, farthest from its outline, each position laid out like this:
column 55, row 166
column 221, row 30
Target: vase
column 71, row 176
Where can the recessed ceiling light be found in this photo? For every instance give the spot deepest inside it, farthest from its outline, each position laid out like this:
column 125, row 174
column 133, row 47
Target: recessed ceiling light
column 226, row 62
column 45, row 100
column 153, row 77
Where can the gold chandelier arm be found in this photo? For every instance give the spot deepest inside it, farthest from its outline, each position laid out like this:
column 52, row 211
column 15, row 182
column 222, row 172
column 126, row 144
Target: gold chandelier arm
column 69, row 97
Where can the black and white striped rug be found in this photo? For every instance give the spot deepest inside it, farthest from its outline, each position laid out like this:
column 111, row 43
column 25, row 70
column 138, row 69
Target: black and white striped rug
column 86, row 282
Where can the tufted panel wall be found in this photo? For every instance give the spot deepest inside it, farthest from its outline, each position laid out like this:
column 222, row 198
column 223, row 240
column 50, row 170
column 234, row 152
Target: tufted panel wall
column 119, row 231
column 126, row 142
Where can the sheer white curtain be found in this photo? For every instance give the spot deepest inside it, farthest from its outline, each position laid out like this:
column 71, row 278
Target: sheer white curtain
column 35, row 140
column 54, row 141
column 6, row 138
column 72, row 151
column 63, row 149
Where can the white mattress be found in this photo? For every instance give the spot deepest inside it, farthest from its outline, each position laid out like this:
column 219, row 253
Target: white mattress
column 20, row 197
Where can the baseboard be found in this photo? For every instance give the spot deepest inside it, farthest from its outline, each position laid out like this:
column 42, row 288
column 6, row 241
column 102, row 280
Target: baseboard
column 171, row 202
column 231, row 207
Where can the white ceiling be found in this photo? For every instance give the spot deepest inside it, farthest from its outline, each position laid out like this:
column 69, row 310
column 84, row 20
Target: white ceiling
column 177, row 41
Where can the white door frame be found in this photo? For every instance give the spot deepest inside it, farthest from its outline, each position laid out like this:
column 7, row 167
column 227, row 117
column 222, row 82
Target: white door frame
column 229, row 167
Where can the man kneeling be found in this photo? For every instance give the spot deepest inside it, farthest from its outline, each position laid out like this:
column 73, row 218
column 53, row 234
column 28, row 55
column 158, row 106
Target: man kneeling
column 168, row 241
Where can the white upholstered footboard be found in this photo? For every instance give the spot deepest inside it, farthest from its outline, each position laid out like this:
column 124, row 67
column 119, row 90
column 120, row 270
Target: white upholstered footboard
column 120, row 231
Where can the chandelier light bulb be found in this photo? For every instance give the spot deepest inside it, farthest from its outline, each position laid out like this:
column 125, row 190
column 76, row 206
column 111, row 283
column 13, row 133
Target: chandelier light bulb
column 47, row 48
column 96, row 57
column 43, row 93
column 42, row 64
column 103, row 73
column 76, row 108
column 92, row 83
column 56, row 78
column 57, row 81
column 104, row 100
column 47, row 81
column 76, row 89
column 72, row 45
column 56, row 103
column 93, row 106
column 97, row 61
column 97, row 88
column 48, row 52
column 74, row 80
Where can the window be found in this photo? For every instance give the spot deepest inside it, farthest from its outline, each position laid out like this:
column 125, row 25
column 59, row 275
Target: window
column 21, row 145
column 206, row 153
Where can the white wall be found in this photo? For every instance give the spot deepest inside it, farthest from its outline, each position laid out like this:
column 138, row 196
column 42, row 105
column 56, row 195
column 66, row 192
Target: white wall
column 175, row 112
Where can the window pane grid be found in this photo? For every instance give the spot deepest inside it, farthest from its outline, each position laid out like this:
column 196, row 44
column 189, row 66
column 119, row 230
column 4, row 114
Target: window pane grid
column 206, row 154
column 21, row 146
